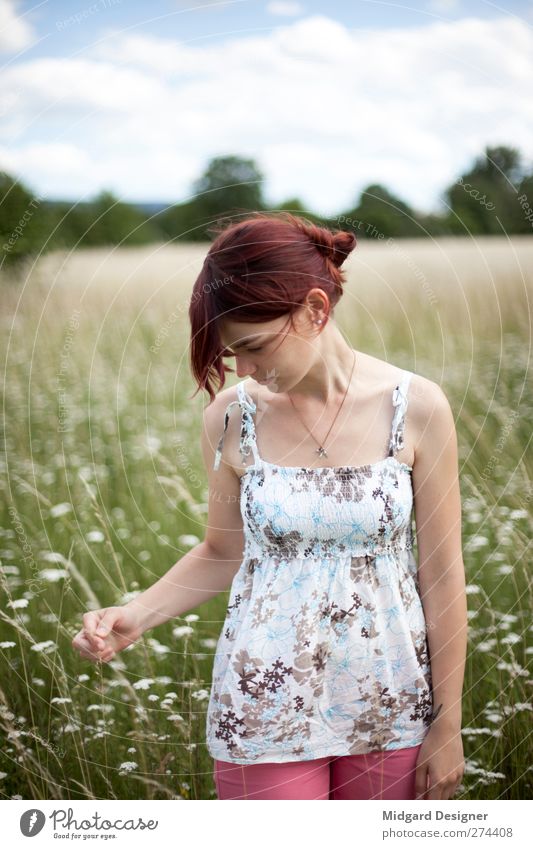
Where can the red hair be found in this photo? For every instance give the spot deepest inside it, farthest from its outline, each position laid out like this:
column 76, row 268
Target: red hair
column 256, row 270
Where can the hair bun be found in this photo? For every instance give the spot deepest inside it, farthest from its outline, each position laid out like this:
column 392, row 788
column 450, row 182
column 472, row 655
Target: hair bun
column 335, row 246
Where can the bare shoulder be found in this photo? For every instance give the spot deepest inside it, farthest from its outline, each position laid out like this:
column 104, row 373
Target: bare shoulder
column 430, row 414
column 213, row 424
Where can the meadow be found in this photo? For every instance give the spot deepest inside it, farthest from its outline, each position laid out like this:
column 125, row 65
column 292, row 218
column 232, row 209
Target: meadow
column 104, row 490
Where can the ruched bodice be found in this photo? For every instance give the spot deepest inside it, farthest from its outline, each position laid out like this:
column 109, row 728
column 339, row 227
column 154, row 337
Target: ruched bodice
column 324, row 645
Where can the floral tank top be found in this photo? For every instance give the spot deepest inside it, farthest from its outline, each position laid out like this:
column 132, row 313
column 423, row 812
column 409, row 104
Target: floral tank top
column 323, row 651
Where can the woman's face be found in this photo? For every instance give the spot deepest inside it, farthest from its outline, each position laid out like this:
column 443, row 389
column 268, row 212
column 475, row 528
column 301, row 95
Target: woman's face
column 273, row 353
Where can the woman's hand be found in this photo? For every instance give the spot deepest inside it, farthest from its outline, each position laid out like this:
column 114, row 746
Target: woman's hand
column 106, row 632
column 440, row 764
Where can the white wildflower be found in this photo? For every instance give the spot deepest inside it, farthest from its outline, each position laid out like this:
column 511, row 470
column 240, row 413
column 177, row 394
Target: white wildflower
column 188, row 540
column 153, row 444
column 83, row 677
column 477, row 541
column 53, row 575
column 143, row 683
column 511, row 639
column 157, row 646
column 182, row 631
column 126, row 597
column 200, row 694
column 7, row 645
column 513, row 668
column 153, row 697
column 175, row 716
column 53, row 557
column 47, row 646
column 95, row 536
column 60, row 509
column 18, row 603
column 132, row 750
column 485, row 646
column 473, row 731
column 58, row 700
column 128, row 766
column 471, row 588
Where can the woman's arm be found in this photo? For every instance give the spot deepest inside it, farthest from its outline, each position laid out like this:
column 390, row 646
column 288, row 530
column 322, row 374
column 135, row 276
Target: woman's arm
column 202, row 573
column 441, row 570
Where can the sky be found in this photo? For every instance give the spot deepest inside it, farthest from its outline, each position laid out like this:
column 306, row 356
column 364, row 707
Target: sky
column 326, row 97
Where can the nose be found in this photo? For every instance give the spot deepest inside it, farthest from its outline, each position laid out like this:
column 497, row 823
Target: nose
column 243, row 367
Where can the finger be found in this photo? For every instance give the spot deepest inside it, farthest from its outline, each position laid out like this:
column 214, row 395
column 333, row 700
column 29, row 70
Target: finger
column 90, row 622
column 420, row 782
column 86, row 649
column 436, row 791
column 96, row 643
column 107, row 623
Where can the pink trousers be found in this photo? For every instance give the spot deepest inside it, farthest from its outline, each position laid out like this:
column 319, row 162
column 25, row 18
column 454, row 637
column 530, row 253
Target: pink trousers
column 379, row 775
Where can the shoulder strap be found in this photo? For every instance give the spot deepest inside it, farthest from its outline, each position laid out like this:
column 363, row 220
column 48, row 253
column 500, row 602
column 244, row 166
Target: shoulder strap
column 247, row 439
column 399, row 400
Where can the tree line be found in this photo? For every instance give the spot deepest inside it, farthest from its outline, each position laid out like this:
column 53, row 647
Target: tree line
column 494, row 196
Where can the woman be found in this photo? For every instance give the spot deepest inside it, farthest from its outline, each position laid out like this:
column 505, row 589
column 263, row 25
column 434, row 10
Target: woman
column 339, row 670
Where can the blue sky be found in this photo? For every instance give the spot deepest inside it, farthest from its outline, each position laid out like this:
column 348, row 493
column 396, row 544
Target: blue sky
column 137, row 97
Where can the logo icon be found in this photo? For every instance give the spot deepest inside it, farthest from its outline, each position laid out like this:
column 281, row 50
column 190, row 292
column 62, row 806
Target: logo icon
column 31, row 822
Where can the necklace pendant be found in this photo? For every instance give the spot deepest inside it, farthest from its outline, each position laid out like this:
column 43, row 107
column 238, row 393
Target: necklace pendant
column 321, row 452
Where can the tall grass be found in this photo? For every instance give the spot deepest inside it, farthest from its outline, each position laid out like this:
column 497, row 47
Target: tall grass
column 104, row 490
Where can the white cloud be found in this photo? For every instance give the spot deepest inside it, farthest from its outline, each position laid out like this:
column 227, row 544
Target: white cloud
column 15, row 32
column 324, row 110
column 284, row 7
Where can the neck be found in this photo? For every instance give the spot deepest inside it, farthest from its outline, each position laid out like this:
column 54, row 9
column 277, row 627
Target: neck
column 329, row 375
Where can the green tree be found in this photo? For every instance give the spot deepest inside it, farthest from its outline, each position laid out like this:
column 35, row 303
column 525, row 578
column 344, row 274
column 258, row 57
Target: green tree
column 229, row 186
column 23, row 221
column 110, row 221
column 484, row 198
column 381, row 212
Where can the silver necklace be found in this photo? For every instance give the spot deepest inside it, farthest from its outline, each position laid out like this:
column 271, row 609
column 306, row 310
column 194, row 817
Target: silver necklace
column 321, row 451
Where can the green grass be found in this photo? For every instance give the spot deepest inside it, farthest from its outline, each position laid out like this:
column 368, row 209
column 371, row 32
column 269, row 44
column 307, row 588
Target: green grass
column 104, row 490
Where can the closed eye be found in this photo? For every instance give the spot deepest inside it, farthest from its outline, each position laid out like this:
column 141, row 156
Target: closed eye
column 231, row 354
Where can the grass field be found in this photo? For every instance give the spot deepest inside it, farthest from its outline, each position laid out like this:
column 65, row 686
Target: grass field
column 105, row 489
